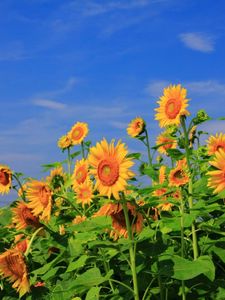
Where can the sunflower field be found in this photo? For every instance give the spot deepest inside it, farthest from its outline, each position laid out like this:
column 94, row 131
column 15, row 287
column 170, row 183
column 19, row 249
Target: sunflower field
column 94, row 229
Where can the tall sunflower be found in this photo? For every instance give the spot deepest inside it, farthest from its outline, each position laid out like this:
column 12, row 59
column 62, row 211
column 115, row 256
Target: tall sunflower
column 172, row 105
column 179, row 175
column 64, row 142
column 215, row 143
column 216, row 178
column 23, row 217
column 115, row 211
column 13, row 267
column 110, row 166
column 80, row 172
column 78, row 132
column 84, row 192
column 39, row 195
column 166, row 141
column 136, row 127
column 5, row 179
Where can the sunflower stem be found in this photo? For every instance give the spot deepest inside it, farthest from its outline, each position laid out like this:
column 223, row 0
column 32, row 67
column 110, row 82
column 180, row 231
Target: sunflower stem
column 190, row 187
column 82, row 150
column 20, row 185
column 131, row 249
column 106, row 267
column 182, row 241
column 148, row 147
column 69, row 160
column 31, row 241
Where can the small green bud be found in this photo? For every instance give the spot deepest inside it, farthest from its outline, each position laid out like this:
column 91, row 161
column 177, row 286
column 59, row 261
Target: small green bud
column 201, row 117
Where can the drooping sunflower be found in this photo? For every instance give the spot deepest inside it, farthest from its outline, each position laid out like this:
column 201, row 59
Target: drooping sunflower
column 136, row 127
column 166, row 141
column 110, row 166
column 84, row 192
column 23, row 216
column 115, row 211
column 179, row 175
column 39, row 195
column 78, row 132
column 64, row 142
column 172, row 105
column 80, row 172
column 5, row 179
column 215, row 143
column 13, row 267
column 216, row 178
column 56, row 179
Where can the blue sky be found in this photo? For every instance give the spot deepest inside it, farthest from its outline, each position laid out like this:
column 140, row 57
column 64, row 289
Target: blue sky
column 102, row 62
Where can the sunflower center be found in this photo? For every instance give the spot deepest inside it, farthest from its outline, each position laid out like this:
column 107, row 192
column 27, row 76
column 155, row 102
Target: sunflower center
column 178, row 174
column 44, row 196
column 4, row 178
column 81, row 175
column 173, row 107
column 77, row 133
column 14, row 265
column 85, row 193
column 108, row 172
column 28, row 217
column 120, row 218
column 168, row 144
column 219, row 147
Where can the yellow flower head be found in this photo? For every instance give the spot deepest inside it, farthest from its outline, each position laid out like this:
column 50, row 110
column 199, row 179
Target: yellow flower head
column 166, row 141
column 23, row 217
column 39, row 195
column 84, row 192
column 13, row 267
column 115, row 211
column 172, row 105
column 64, row 142
column 136, row 127
column 110, row 166
column 179, row 175
column 5, row 179
column 78, row 133
column 217, row 177
column 79, row 219
column 80, row 172
column 215, row 143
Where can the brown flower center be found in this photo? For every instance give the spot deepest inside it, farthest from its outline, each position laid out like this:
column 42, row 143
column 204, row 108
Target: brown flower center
column 168, row 143
column 81, row 175
column 179, row 174
column 85, row 193
column 77, row 133
column 108, row 171
column 44, row 194
column 4, row 178
column 173, row 107
column 14, row 265
column 119, row 218
column 28, row 217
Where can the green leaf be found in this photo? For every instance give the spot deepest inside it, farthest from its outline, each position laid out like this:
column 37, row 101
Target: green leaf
column 175, row 153
column 75, row 154
column 93, row 293
column 77, row 264
column 134, row 155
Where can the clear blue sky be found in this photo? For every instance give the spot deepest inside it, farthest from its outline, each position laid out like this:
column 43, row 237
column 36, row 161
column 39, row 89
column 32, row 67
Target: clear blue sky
column 102, row 62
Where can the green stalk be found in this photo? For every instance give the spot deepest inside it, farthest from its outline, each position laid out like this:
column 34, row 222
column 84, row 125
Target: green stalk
column 148, row 148
column 131, row 250
column 31, row 240
column 106, row 267
column 182, row 240
column 82, row 149
column 69, row 160
column 190, row 187
column 20, row 185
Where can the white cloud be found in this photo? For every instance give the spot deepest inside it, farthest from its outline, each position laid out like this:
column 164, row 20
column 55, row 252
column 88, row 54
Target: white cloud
column 198, row 41
column 206, row 87
column 49, row 104
column 155, row 87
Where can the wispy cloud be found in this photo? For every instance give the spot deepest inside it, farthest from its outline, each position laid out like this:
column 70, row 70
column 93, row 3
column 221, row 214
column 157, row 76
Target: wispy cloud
column 49, row 104
column 198, row 41
column 155, row 87
column 13, row 51
column 206, row 87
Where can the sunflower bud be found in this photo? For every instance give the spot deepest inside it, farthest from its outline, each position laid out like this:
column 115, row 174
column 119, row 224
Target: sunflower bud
column 201, row 117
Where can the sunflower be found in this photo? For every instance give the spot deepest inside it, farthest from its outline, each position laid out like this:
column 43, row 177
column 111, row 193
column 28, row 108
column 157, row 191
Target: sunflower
column 115, row 211
column 172, row 105
column 162, row 174
column 215, row 143
column 84, row 192
column 79, row 219
column 5, row 179
column 64, row 142
column 110, row 166
column 23, row 217
column 165, row 142
column 13, row 267
column 56, row 179
column 216, row 178
column 136, row 127
column 40, row 197
column 78, row 132
column 22, row 245
column 179, row 175
column 80, row 172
